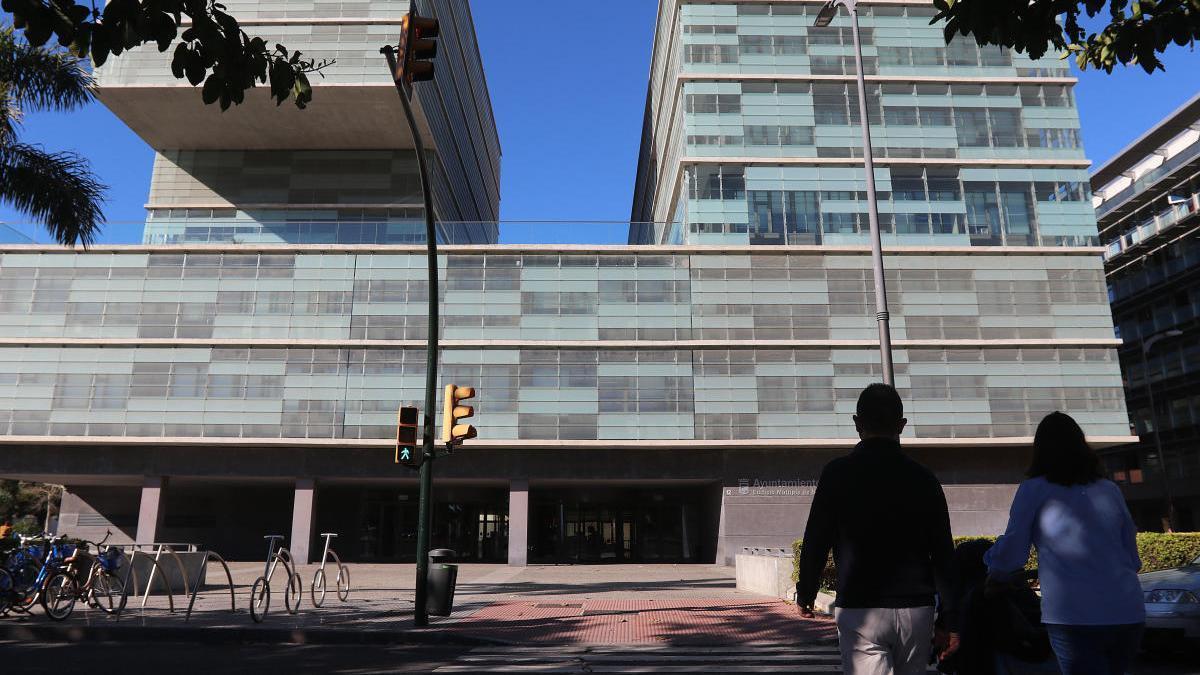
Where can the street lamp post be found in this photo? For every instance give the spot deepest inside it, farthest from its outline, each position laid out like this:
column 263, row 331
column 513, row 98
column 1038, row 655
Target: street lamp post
column 824, row 17
column 1169, row 518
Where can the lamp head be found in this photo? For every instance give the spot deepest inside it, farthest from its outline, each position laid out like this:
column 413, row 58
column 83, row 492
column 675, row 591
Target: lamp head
column 825, row 16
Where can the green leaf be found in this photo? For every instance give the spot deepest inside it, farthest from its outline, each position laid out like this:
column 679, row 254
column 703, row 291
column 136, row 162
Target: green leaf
column 212, row 89
column 179, row 60
column 193, row 68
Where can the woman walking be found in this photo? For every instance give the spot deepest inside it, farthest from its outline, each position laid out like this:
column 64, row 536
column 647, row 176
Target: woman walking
column 1087, row 552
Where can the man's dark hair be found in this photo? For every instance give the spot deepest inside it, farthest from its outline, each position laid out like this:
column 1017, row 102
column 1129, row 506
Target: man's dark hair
column 1061, row 452
column 879, row 409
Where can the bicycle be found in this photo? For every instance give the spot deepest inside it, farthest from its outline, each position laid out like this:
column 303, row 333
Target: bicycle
column 260, row 592
column 8, row 592
column 84, row 576
column 343, row 576
column 31, row 566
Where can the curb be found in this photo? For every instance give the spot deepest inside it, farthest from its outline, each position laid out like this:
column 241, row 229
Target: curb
column 229, row 635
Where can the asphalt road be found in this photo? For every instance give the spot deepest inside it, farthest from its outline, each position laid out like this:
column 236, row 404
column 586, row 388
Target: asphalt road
column 125, row 657
column 170, row 658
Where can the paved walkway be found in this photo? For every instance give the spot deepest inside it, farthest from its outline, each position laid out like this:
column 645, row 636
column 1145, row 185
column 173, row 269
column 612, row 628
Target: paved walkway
column 559, row 604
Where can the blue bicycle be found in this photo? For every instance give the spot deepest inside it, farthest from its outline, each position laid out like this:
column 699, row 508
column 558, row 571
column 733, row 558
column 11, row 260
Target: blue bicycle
column 31, row 566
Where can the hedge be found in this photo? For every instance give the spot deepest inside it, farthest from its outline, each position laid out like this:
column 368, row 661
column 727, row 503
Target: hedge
column 1158, row 551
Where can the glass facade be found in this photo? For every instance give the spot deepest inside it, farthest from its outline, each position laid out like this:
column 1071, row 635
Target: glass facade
column 293, row 183
column 621, row 345
column 755, row 133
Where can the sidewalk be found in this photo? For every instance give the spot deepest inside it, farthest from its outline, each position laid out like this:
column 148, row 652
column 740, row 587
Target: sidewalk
column 494, row 604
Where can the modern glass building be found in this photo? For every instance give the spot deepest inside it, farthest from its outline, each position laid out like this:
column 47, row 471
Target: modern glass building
column 751, row 138
column 340, row 171
column 1146, row 199
column 673, row 401
column 661, row 403
column 752, row 133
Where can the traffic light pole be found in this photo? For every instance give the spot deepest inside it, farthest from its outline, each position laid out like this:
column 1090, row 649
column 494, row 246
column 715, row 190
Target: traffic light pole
column 425, row 507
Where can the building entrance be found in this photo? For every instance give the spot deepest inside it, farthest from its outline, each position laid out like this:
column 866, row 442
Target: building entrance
column 602, row 526
column 380, row 523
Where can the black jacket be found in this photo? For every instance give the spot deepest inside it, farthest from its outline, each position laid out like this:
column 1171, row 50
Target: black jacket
column 885, row 518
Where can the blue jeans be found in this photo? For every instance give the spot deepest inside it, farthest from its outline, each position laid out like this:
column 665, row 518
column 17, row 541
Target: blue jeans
column 1095, row 650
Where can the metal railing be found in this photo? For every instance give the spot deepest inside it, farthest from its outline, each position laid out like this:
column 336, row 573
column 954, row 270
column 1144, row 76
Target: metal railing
column 1152, row 226
column 767, row 551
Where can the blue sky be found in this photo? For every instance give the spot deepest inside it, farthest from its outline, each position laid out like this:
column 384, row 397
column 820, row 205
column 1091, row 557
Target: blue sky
column 568, row 85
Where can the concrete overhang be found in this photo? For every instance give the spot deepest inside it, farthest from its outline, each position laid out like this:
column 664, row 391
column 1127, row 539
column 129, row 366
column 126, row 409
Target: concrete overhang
column 341, row 116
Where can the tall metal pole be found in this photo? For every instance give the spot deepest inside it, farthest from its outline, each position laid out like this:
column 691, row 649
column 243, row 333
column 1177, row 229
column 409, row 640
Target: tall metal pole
column 425, row 507
column 1169, row 518
column 881, row 305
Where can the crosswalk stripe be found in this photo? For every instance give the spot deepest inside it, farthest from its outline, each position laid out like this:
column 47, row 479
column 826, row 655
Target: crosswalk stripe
column 676, row 658
column 815, row 659
column 636, row 668
column 674, row 649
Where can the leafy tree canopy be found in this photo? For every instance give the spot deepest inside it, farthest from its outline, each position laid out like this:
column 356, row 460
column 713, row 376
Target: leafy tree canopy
column 1136, row 32
column 212, row 47
column 56, row 188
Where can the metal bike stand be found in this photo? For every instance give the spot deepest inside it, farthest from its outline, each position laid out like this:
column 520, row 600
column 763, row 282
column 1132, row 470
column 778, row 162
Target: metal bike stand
column 159, row 549
column 200, row 578
column 154, row 567
column 342, row 573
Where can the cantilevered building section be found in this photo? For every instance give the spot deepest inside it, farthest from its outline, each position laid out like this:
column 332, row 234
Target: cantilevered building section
column 1147, row 199
column 341, row 171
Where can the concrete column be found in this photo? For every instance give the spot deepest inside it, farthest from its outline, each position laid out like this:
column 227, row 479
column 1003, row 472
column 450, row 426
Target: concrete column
column 303, row 510
column 151, row 508
column 518, row 522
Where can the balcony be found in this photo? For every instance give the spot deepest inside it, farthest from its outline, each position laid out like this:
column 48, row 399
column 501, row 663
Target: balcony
column 1153, row 226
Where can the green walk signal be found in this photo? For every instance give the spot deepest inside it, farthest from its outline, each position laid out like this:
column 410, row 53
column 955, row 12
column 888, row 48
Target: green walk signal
column 407, row 452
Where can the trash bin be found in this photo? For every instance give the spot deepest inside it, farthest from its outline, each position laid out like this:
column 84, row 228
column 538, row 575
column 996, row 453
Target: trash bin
column 442, row 577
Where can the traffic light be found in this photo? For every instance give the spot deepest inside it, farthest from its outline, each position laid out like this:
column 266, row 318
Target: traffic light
column 408, row 452
column 454, row 431
column 417, row 49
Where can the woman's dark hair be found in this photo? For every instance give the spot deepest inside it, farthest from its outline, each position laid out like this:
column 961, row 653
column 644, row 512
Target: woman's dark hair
column 1061, row 453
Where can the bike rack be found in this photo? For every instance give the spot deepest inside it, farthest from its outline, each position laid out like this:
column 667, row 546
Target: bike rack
column 159, row 549
column 129, row 572
column 202, row 575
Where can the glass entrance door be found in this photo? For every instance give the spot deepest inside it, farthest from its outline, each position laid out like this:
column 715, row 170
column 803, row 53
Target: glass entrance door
column 389, row 531
column 646, row 526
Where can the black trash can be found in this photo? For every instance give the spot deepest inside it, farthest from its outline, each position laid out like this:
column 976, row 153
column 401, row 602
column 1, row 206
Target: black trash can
column 442, row 577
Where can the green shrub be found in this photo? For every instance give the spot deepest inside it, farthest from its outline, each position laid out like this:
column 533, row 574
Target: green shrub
column 1163, row 551
column 828, row 575
column 1158, row 552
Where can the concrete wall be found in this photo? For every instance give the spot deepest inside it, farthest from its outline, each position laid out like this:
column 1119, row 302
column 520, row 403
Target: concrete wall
column 90, row 511
column 765, row 574
column 766, row 502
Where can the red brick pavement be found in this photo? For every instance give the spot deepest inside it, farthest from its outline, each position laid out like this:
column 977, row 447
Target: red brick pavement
column 676, row 621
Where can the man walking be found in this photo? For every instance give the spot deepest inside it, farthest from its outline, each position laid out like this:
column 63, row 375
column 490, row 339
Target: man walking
column 885, row 518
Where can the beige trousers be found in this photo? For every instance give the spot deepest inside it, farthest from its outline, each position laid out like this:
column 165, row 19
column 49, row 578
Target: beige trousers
column 885, row 641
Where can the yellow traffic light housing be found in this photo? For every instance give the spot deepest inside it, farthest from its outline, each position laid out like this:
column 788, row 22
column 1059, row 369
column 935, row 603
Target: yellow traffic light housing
column 408, row 452
column 454, row 430
column 417, row 49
